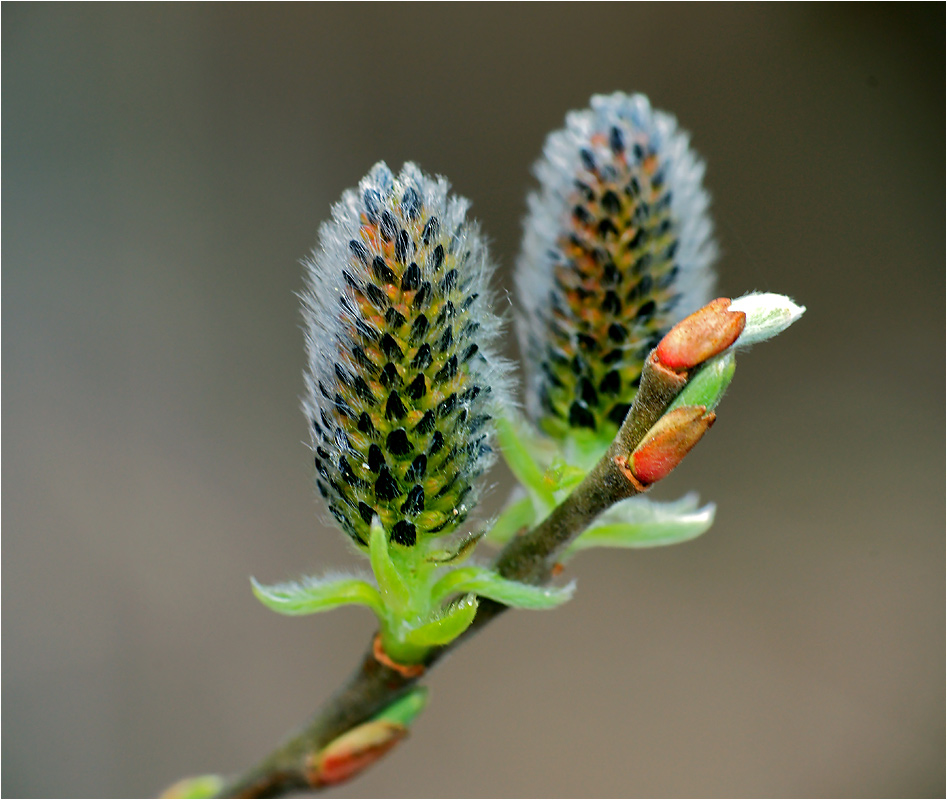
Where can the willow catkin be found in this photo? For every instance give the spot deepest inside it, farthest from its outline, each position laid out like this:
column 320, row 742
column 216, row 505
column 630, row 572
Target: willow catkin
column 402, row 379
column 617, row 247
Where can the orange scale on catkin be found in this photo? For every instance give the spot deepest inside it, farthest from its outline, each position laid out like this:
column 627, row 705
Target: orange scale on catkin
column 412, row 418
column 371, row 235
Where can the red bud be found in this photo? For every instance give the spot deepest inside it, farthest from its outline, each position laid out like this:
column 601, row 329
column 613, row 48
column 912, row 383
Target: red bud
column 705, row 333
column 354, row 751
column 666, row 444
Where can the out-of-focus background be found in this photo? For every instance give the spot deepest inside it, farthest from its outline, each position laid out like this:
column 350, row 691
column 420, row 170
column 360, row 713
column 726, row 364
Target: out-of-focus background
column 165, row 168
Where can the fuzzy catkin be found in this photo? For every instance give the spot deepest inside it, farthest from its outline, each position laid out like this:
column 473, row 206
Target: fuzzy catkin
column 402, row 380
column 617, row 247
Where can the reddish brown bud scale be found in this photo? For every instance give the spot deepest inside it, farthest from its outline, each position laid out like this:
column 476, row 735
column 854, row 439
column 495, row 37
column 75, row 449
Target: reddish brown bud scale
column 668, row 442
column 353, row 751
column 704, row 334
column 625, row 466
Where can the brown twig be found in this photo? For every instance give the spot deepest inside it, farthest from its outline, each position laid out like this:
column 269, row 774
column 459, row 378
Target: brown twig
column 529, row 557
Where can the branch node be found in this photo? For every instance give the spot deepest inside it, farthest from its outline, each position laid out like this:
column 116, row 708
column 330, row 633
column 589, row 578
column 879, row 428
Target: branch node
column 625, row 468
column 676, row 378
column 405, row 670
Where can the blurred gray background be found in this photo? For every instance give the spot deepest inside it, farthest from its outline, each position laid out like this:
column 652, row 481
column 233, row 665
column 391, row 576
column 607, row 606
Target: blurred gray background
column 165, row 168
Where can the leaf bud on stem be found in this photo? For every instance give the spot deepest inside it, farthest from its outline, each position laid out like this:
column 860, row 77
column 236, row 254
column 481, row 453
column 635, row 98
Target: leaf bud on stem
column 666, row 444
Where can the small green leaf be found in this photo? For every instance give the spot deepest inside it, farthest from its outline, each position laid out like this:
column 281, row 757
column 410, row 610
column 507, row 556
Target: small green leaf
column 639, row 522
column 707, row 387
column 583, row 448
column 486, row 583
column 195, row 788
column 568, row 476
column 517, row 515
column 311, row 595
column 394, row 591
column 522, row 451
column 406, row 708
column 460, row 553
column 446, row 627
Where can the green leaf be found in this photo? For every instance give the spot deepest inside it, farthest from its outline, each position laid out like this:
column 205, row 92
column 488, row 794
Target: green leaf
column 639, row 522
column 460, row 553
column 583, row 448
column 405, row 709
column 195, row 788
column 517, row 515
column 311, row 595
column 707, row 387
column 568, row 476
column 523, row 452
column 446, row 627
column 487, row 583
column 394, row 591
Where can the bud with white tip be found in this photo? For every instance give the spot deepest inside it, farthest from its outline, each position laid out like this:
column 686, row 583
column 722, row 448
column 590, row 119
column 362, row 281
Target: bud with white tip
column 767, row 315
